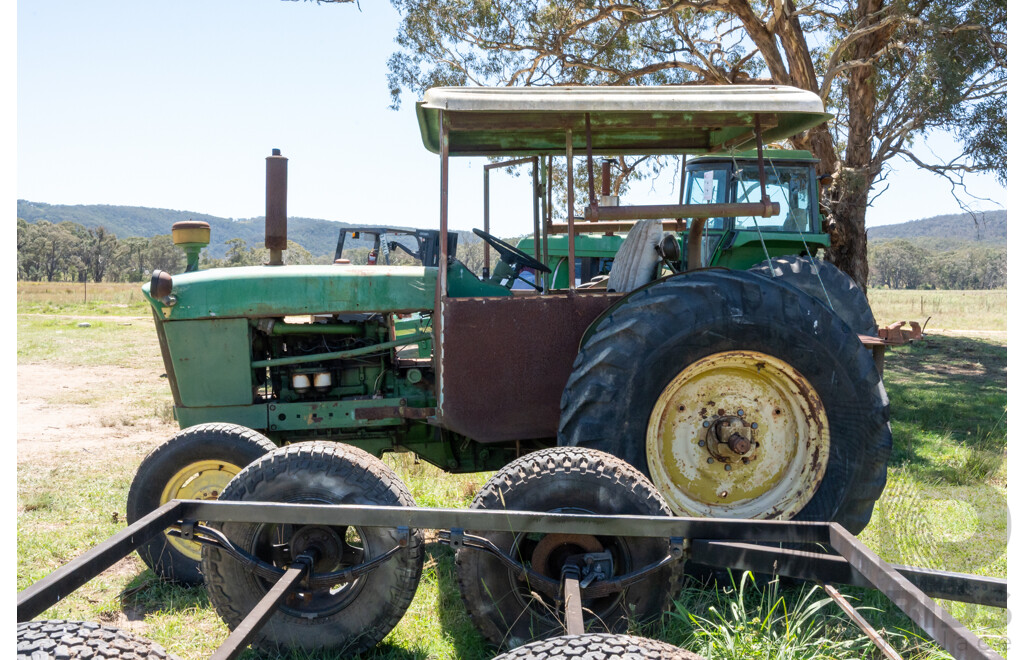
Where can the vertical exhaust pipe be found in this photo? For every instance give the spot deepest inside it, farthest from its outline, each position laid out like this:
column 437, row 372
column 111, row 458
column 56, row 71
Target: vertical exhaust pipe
column 277, row 207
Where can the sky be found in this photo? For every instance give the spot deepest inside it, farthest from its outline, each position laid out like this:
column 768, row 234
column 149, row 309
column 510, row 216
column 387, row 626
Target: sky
column 176, row 104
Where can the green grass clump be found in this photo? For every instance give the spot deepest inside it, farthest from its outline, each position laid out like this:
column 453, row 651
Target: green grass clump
column 745, row 620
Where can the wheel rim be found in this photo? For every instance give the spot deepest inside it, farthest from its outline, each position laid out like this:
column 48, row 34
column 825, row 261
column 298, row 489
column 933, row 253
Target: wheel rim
column 545, row 553
column 201, row 480
column 738, row 434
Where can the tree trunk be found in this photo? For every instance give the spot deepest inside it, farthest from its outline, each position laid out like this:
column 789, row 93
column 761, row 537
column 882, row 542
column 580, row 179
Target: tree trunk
column 853, row 178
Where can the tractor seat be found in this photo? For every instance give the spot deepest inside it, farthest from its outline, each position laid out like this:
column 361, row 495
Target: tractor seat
column 636, row 260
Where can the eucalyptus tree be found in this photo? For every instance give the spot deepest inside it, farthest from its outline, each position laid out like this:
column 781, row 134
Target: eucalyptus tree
column 890, row 70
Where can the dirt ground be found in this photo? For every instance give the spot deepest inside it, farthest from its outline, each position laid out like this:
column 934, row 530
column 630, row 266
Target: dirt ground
column 51, row 419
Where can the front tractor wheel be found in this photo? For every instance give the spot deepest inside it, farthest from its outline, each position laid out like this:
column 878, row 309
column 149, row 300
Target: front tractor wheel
column 740, row 397
column 196, row 464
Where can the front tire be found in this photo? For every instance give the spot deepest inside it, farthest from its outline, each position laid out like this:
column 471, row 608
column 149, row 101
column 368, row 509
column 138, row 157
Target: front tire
column 196, row 464
column 348, row 618
column 662, row 382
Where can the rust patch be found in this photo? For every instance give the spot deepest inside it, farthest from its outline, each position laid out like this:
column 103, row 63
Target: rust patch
column 535, row 340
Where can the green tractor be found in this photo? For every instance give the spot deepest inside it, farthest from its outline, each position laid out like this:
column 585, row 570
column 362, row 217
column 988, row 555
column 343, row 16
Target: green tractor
column 718, row 356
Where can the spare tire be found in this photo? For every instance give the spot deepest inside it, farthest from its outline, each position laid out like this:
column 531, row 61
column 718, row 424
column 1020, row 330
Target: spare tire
column 504, row 607
column 38, row 640
column 347, row 618
column 599, row 646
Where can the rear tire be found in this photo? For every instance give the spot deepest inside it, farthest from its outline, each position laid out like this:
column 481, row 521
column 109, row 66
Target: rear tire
column 734, row 320
column 569, row 480
column 599, row 646
column 846, row 298
column 197, row 463
column 348, row 618
column 76, row 639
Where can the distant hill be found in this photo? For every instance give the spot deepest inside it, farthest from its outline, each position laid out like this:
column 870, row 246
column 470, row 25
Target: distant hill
column 948, row 232
column 318, row 236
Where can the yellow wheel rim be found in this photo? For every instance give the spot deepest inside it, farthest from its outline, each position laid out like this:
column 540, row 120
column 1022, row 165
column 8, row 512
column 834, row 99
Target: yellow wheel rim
column 202, row 480
column 739, row 434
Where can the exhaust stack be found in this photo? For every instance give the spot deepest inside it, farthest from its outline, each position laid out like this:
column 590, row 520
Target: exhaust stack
column 277, row 207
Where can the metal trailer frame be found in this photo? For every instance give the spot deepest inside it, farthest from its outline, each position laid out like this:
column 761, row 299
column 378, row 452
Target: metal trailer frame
column 724, row 543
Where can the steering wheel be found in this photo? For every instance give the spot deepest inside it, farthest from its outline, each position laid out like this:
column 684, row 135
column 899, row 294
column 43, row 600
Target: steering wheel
column 514, row 257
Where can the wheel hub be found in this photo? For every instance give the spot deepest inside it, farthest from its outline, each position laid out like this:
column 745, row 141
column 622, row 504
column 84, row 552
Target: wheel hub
column 730, row 438
column 552, row 551
column 323, row 543
column 738, row 434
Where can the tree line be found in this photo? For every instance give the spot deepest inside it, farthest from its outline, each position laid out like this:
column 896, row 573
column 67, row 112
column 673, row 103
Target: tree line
column 69, row 252
column 900, row 264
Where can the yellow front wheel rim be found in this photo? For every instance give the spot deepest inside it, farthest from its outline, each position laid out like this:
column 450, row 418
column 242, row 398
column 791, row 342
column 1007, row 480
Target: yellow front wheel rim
column 202, row 480
column 739, row 434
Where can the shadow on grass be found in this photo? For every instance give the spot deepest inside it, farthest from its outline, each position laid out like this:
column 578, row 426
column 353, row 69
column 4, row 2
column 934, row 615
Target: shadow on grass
column 147, row 593
column 948, row 401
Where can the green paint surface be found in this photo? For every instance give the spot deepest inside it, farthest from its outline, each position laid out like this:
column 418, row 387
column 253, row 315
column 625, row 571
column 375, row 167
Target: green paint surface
column 274, row 291
column 211, row 361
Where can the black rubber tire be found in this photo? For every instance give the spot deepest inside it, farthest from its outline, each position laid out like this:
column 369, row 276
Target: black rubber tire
column 235, row 445
column 364, row 612
column 846, row 298
column 599, row 646
column 572, row 480
column 646, row 341
column 40, row 640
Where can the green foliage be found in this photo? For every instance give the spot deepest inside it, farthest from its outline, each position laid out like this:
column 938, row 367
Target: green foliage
column 901, row 264
column 749, row 621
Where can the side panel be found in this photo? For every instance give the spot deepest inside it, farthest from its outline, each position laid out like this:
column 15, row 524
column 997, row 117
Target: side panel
column 506, row 362
column 211, row 361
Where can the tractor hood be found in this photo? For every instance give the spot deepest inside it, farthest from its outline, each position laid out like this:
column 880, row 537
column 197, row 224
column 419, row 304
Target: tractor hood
column 273, row 291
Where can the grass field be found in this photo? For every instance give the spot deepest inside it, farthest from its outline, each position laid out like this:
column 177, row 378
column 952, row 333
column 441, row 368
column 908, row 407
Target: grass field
column 944, row 506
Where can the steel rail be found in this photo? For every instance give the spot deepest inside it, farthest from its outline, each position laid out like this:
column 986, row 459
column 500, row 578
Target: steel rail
column 876, row 638
column 43, row 594
column 479, row 520
column 940, row 625
column 818, row 566
column 244, row 632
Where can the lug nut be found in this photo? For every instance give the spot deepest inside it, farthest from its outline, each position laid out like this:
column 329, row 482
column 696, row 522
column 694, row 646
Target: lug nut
column 701, row 443
column 740, row 412
column 728, row 468
column 710, row 461
column 753, row 425
column 706, row 423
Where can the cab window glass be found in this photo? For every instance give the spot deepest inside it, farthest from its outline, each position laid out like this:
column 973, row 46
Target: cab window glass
column 708, row 186
column 788, row 186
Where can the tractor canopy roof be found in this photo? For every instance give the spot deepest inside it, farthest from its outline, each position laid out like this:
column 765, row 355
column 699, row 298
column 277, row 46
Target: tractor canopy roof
column 751, row 154
column 698, row 119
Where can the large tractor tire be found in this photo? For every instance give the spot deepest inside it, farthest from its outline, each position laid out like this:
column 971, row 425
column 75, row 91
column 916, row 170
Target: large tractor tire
column 599, row 646
column 39, row 640
column 564, row 480
column 740, row 397
column 835, row 289
column 347, row 618
column 196, row 464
